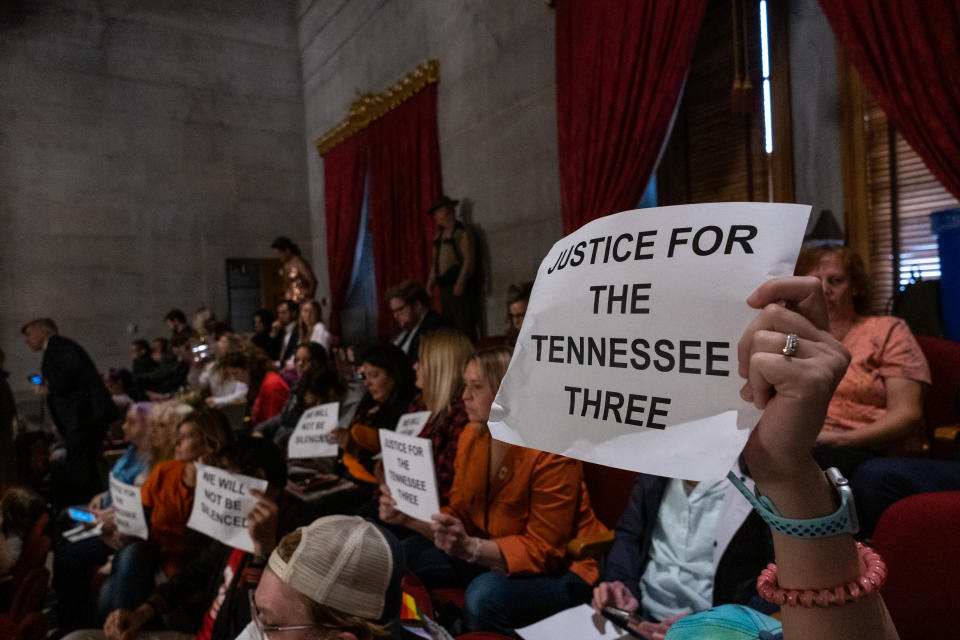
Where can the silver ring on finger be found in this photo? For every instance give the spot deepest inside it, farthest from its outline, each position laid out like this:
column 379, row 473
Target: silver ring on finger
column 791, row 346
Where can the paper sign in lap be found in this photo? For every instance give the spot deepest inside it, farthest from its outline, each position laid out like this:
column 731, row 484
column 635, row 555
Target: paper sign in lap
column 580, row 623
column 312, row 436
column 628, row 352
column 128, row 509
column 408, row 467
column 411, row 424
column 221, row 503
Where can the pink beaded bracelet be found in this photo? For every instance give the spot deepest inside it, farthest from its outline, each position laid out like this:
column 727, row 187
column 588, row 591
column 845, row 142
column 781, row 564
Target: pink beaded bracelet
column 871, row 579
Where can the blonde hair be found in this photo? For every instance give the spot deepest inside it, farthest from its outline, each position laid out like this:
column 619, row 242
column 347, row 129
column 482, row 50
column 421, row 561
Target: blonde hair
column 443, row 355
column 493, row 362
column 304, row 332
column 328, row 618
column 165, row 417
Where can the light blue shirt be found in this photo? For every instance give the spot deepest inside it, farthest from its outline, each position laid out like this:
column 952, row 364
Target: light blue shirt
column 125, row 469
column 678, row 578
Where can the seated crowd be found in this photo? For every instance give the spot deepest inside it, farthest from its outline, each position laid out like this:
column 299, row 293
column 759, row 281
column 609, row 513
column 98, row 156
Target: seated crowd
column 331, row 552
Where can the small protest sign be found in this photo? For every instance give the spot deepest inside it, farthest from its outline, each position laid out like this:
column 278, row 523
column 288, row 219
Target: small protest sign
column 628, row 352
column 411, row 424
column 221, row 503
column 128, row 509
column 312, row 436
column 408, row 467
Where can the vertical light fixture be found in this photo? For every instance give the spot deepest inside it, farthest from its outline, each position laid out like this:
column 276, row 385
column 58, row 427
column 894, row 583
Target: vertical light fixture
column 765, row 59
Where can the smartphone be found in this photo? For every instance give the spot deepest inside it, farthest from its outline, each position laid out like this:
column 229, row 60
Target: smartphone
column 35, row 379
column 81, row 516
column 621, row 618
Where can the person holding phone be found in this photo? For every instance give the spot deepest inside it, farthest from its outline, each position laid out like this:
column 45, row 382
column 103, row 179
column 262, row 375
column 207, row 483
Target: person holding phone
column 826, row 585
column 80, row 405
column 73, row 562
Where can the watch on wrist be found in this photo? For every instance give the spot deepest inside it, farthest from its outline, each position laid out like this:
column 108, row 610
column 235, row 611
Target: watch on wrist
column 843, row 520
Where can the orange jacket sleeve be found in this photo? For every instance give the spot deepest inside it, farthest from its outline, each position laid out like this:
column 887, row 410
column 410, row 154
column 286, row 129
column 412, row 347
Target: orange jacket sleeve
column 552, row 518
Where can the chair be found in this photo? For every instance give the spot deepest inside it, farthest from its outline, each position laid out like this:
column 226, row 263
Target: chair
column 29, row 595
column 917, row 538
column 940, row 408
column 413, row 586
column 609, row 490
column 25, row 621
column 36, row 546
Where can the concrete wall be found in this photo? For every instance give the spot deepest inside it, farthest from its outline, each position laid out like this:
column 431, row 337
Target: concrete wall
column 141, row 145
column 496, row 111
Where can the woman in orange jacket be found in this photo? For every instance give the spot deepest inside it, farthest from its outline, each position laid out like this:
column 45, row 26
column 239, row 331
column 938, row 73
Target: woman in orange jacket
column 512, row 513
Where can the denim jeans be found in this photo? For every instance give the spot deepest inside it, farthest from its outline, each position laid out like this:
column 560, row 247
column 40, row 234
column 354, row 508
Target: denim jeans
column 131, row 578
column 495, row 601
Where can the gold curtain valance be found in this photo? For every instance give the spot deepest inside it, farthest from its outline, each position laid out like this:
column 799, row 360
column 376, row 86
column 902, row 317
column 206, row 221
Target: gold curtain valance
column 369, row 107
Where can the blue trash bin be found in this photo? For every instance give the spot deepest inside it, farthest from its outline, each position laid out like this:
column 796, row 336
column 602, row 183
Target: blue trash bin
column 945, row 225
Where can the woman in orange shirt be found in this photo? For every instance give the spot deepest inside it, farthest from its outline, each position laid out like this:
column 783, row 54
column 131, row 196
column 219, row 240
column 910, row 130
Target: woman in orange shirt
column 512, row 513
column 167, row 497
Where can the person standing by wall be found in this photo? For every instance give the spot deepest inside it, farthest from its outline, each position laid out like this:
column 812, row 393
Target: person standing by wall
column 80, row 405
column 453, row 265
column 300, row 283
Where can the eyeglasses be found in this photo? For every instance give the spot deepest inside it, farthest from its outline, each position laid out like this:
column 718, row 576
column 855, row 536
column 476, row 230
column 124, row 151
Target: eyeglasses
column 264, row 631
column 397, row 311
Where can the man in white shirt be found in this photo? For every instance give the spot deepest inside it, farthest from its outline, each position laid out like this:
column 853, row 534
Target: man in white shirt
column 683, row 547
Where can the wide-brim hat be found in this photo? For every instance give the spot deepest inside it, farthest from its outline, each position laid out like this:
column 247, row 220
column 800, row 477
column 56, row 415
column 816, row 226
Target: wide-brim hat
column 442, row 202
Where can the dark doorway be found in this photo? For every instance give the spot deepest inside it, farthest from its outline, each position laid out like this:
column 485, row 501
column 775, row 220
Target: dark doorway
column 252, row 283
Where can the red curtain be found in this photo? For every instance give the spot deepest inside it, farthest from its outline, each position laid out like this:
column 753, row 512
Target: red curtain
column 908, row 54
column 404, row 180
column 344, row 172
column 621, row 65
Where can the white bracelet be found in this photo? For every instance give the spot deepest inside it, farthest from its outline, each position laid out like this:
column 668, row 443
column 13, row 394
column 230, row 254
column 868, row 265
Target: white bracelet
column 475, row 554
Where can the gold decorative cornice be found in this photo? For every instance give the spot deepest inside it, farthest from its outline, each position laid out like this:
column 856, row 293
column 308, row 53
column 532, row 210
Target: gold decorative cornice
column 369, row 107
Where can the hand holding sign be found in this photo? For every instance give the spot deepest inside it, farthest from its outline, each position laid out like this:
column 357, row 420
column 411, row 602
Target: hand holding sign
column 312, row 436
column 128, row 513
column 221, row 504
column 388, row 508
column 626, row 353
column 262, row 524
column 411, row 424
column 408, row 467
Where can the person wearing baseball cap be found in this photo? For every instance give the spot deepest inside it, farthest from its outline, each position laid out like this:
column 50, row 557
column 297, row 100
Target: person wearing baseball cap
column 337, row 578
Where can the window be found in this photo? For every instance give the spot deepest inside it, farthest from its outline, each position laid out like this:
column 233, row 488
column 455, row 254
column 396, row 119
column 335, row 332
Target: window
column 890, row 194
column 731, row 139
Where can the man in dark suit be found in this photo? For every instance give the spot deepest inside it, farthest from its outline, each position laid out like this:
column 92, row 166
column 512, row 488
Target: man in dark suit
column 409, row 304
column 80, row 405
column 284, row 333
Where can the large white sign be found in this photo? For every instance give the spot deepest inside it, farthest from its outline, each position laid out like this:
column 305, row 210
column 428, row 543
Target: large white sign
column 312, row 436
column 128, row 509
column 221, row 503
column 411, row 424
column 408, row 467
column 628, row 352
